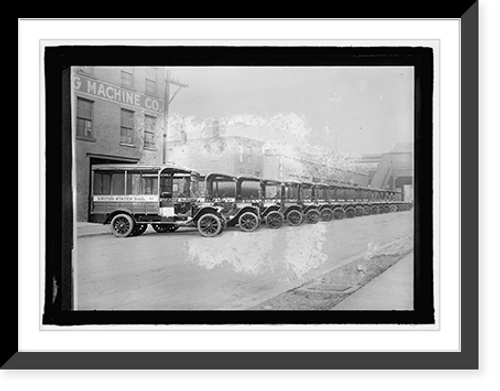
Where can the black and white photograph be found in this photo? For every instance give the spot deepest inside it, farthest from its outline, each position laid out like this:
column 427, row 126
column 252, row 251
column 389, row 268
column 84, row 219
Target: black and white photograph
column 283, row 188
column 248, row 194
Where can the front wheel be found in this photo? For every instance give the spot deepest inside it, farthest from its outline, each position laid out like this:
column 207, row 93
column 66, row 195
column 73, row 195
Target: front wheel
column 248, row 222
column 122, row 225
column 326, row 215
column 313, row 216
column 274, row 220
column 338, row 214
column 294, row 217
column 350, row 213
column 209, row 225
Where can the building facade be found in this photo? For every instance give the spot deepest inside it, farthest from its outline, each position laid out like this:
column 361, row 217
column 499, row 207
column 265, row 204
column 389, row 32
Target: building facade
column 395, row 171
column 233, row 155
column 286, row 161
column 118, row 117
column 237, row 155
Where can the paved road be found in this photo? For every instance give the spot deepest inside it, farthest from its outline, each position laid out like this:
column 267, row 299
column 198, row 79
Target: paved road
column 235, row 270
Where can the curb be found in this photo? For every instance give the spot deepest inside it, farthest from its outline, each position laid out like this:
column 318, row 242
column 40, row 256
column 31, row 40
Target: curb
column 383, row 289
column 89, row 229
column 314, row 275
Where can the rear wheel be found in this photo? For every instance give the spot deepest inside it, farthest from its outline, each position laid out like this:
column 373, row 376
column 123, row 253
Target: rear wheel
column 326, row 215
column 122, row 225
column 367, row 210
column 248, row 222
column 374, row 209
column 359, row 211
column 224, row 224
column 163, row 228
column 386, row 208
column 274, row 220
column 393, row 208
column 294, row 217
column 209, row 225
column 313, row 216
column 139, row 229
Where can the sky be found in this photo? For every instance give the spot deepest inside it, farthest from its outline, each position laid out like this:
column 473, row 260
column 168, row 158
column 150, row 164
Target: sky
column 358, row 110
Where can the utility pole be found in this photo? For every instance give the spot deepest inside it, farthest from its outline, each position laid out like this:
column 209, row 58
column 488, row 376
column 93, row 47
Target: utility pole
column 168, row 100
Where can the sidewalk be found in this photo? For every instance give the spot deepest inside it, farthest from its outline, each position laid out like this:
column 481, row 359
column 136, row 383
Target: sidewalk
column 91, row 229
column 392, row 290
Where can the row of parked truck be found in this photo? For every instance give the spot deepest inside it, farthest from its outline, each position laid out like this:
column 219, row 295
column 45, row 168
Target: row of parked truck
column 131, row 197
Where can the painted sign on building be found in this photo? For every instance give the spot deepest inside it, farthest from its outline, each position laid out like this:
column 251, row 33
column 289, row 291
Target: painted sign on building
column 113, row 93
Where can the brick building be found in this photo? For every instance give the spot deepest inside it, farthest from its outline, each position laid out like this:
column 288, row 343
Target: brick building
column 117, row 118
column 238, row 155
column 233, row 155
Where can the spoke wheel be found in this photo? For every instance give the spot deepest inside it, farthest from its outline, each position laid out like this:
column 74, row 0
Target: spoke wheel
column 374, row 209
column 163, row 228
column 393, row 208
column 313, row 216
column 274, row 220
column 139, row 229
column 386, row 208
column 326, row 215
column 209, row 225
column 294, row 217
column 360, row 211
column 338, row 214
column 367, row 210
column 350, row 213
column 248, row 222
column 122, row 225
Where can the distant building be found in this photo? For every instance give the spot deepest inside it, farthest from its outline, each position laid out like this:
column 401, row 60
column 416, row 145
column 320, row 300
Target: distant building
column 368, row 163
column 238, row 155
column 395, row 170
column 285, row 161
column 231, row 155
column 117, row 118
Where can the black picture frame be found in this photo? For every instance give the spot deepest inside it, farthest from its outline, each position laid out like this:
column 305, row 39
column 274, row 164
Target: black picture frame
column 60, row 244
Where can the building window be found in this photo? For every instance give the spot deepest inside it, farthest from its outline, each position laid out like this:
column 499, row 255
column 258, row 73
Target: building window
column 84, row 128
column 127, row 77
column 151, row 81
column 149, row 132
column 127, row 127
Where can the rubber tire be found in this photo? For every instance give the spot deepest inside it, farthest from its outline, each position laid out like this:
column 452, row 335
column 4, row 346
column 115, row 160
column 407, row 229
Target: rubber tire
column 274, row 220
column 246, row 216
column 313, row 216
column 126, row 225
column 326, row 215
column 214, row 220
column 295, row 212
column 338, row 213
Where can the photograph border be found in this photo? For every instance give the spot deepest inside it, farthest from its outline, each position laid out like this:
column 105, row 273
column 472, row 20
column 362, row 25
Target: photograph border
column 58, row 306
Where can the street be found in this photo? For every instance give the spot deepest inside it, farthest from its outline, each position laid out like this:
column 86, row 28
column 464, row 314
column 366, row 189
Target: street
column 235, row 270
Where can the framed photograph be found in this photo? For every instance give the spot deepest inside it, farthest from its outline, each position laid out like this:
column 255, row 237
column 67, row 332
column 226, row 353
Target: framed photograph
column 241, row 200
